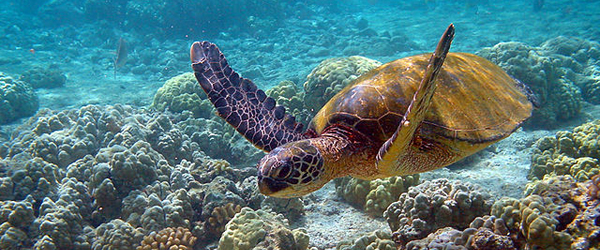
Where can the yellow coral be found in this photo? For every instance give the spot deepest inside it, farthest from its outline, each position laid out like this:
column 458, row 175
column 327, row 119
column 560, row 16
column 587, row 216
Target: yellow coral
column 287, row 94
column 376, row 195
column 218, row 165
column 169, row 238
column 260, row 229
column 574, row 153
column 331, row 75
column 220, row 216
column 182, row 93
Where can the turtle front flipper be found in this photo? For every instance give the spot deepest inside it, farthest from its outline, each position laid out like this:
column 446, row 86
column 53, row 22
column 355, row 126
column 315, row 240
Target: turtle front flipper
column 396, row 147
column 240, row 102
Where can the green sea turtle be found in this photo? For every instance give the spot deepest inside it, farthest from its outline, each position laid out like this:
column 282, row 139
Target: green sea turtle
column 408, row 116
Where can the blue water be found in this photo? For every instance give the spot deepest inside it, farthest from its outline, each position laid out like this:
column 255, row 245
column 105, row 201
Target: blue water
column 66, row 55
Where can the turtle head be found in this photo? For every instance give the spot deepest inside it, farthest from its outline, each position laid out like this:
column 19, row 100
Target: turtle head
column 292, row 170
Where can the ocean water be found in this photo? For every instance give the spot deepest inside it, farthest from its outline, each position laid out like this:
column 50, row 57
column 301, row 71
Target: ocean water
column 107, row 141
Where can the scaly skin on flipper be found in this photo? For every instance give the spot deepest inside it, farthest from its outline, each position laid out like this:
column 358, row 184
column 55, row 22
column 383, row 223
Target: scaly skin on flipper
column 397, row 145
column 240, row 102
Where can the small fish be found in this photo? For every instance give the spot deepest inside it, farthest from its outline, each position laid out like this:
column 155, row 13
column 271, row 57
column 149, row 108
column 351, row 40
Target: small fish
column 121, row 56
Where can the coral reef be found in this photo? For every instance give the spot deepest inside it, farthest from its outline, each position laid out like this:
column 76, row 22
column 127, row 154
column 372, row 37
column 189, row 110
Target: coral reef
column 435, row 204
column 63, row 220
column 116, row 234
column 17, row 99
column 331, row 76
column 287, row 94
column 594, row 189
column 578, row 58
column 102, row 177
column 250, row 229
column 219, row 140
column 49, row 77
column 575, row 153
column 15, row 223
column 558, row 97
column 378, row 240
column 376, row 195
column 562, row 72
column 220, row 216
column 179, row 238
column 182, row 93
column 555, row 214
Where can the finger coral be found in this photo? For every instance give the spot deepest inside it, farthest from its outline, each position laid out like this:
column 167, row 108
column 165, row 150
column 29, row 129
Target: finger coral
column 40, row 77
column 555, row 214
column 182, row 93
column 17, row 99
column 575, row 153
column 376, row 195
column 179, row 238
column 220, row 216
column 378, row 240
column 250, row 229
column 287, row 94
column 435, row 204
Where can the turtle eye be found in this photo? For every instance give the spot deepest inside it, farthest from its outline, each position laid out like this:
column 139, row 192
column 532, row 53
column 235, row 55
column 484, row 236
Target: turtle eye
column 282, row 171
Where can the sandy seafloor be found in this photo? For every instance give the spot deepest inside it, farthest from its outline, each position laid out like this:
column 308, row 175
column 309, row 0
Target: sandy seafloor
column 291, row 54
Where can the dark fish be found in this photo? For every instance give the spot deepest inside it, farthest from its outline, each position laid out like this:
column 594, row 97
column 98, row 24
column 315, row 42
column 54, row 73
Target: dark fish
column 537, row 5
column 121, row 56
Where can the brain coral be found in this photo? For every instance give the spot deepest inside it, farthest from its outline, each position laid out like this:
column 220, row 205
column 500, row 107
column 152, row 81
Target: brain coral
column 555, row 214
column 182, row 93
column 376, row 195
column 558, row 97
column 331, row 76
column 435, row 204
column 575, row 153
column 17, row 99
column 250, row 229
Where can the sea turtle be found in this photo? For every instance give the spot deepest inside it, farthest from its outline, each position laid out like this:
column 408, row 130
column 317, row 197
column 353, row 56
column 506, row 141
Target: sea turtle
column 408, row 116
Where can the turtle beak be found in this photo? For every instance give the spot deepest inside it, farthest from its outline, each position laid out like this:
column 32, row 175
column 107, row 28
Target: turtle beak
column 269, row 186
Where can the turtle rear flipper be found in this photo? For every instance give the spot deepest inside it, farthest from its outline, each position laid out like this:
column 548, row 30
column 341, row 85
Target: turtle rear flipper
column 240, row 102
column 397, row 145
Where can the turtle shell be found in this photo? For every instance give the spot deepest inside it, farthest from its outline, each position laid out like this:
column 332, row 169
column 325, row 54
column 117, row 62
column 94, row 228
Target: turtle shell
column 475, row 100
